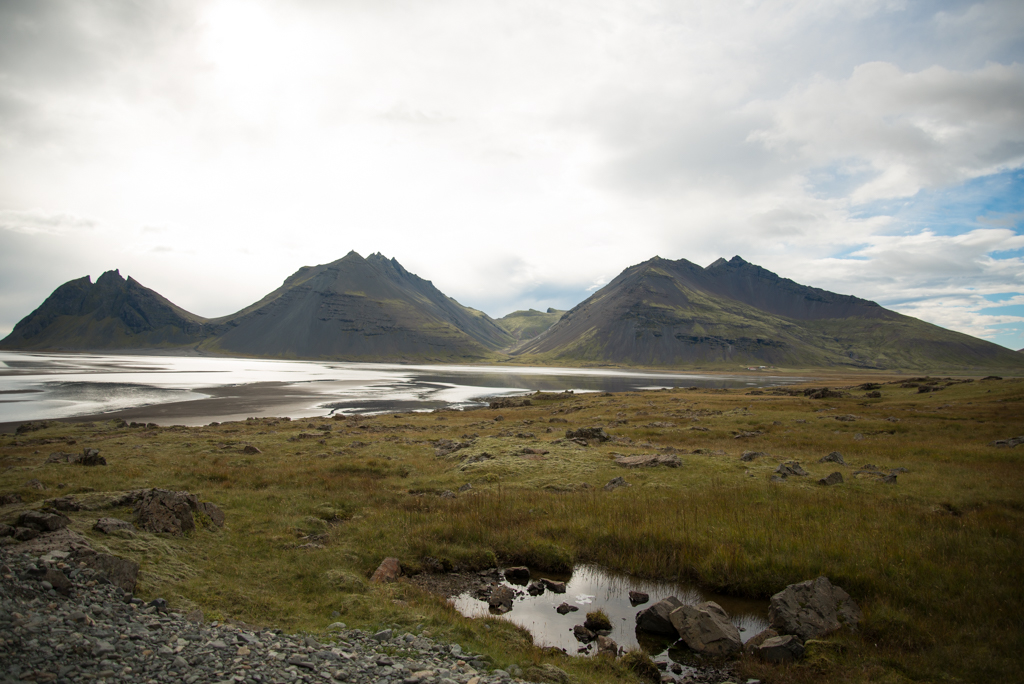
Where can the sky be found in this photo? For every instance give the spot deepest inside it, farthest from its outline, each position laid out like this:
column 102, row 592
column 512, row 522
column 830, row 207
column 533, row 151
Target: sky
column 517, row 154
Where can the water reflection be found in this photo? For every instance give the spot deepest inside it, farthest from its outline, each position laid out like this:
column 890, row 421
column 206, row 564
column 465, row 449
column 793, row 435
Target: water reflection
column 194, row 390
column 591, row 587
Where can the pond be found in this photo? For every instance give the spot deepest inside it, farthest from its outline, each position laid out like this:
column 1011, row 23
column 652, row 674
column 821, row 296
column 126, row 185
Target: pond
column 591, row 587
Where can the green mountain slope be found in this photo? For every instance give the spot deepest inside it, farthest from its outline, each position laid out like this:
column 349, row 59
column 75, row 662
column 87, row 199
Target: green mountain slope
column 675, row 313
column 525, row 325
column 112, row 313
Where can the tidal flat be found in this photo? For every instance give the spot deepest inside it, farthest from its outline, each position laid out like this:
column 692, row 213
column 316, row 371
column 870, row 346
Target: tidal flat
column 926, row 530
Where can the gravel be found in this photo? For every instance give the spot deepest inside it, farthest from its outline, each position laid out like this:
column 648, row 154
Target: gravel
column 88, row 630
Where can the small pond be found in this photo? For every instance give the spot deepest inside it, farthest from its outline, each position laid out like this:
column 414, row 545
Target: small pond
column 591, row 587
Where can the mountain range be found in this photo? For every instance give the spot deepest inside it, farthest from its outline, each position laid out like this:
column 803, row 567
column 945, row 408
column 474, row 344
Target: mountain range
column 659, row 313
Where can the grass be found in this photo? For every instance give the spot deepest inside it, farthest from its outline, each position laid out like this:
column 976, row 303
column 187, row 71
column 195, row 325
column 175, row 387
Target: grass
column 933, row 560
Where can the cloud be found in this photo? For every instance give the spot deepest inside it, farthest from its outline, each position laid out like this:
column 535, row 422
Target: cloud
column 36, row 222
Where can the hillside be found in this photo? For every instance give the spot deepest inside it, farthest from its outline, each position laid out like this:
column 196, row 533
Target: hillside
column 525, row 325
column 356, row 308
column 675, row 313
column 112, row 313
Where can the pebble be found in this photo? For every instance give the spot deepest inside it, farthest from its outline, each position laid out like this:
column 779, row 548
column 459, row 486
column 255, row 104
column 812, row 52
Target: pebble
column 98, row 634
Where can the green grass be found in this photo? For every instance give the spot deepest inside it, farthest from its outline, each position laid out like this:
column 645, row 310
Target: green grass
column 934, row 560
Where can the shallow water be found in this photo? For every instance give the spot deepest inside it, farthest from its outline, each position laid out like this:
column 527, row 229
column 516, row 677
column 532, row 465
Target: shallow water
column 591, row 587
column 195, row 390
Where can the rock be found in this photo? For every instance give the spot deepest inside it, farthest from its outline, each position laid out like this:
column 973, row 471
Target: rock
column 535, row 588
column 873, row 395
column 250, row 449
column 160, row 510
column 553, row 586
column 751, row 455
column 519, row 573
column 212, row 512
column 791, row 468
column 597, row 622
column 501, row 599
column 25, row 533
column 834, row 457
column 706, row 628
column 1008, row 443
column 832, row 479
column 111, row 525
column 546, row 673
column 389, row 570
column 91, row 457
column 9, row 499
column 35, row 484
column 637, row 598
column 120, row 571
column 889, row 479
column 564, row 608
column 607, row 645
column 42, row 522
column 583, row 634
column 758, row 639
column 64, row 503
column 588, row 433
column 812, row 609
column 780, row 649
column 58, row 580
column 615, row 484
column 62, row 457
column 648, row 460
column 6, row 530
column 655, row 618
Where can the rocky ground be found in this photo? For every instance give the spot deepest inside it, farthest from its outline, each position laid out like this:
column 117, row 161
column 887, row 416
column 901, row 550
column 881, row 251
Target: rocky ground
column 64, row 622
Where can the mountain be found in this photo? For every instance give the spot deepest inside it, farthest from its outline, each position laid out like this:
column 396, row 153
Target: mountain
column 525, row 325
column 675, row 313
column 356, row 308
column 352, row 309
column 112, row 313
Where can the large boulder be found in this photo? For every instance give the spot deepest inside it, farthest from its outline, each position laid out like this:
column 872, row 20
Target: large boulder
column 780, row 649
column 42, row 522
column 112, row 525
column 389, row 570
column 160, row 510
column 706, row 628
column 501, row 599
column 655, row 619
column 812, row 609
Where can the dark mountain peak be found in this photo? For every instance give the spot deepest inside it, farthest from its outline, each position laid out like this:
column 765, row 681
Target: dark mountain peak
column 718, row 263
column 109, row 278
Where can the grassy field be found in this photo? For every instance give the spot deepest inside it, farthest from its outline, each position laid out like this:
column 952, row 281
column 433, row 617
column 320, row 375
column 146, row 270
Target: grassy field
column 934, row 560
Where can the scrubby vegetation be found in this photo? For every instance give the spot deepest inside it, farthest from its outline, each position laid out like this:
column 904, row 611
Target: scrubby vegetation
column 933, row 558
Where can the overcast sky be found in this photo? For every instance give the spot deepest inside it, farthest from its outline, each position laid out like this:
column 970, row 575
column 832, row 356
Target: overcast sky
column 518, row 154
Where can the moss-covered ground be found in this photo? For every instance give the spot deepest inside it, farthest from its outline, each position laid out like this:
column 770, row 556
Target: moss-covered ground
column 934, row 559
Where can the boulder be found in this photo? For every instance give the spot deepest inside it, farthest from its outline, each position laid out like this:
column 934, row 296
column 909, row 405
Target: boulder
column 25, row 533
column 615, row 484
column 833, row 457
column 121, row 572
column 553, row 586
column 564, row 608
column 546, row 673
column 519, row 573
column 250, row 449
column 832, row 479
column 780, row 649
column 791, row 468
column 62, row 457
column 758, row 639
column 655, row 618
column 389, row 570
column 607, row 645
column 648, row 460
column 637, row 598
column 111, row 525
column 751, row 455
column 812, row 609
column 501, row 599
column 58, row 580
column 160, row 510
column 35, row 484
column 64, row 503
column 588, row 433
column 583, row 634
column 535, row 588
column 510, row 402
column 42, row 522
column 9, row 499
column 91, row 457
column 706, row 628
column 6, row 530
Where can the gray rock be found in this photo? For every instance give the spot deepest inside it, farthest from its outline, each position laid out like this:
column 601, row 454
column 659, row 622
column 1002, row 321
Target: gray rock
column 583, row 634
column 648, row 461
column 832, row 479
column 655, row 618
column 751, row 455
column 615, row 484
column 553, row 586
column 791, row 468
column 91, row 457
column 501, row 599
column 781, row 649
column 121, row 572
column 637, row 598
column 564, row 608
column 521, row 573
column 42, row 522
column 833, row 457
column 706, row 628
column 589, row 433
column 110, row 525
column 812, row 609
